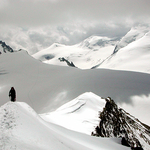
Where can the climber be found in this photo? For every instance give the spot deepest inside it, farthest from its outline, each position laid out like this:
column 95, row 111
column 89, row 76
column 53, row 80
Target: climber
column 12, row 94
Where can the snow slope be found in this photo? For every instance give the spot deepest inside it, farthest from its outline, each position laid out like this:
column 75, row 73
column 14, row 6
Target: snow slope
column 22, row 129
column 134, row 34
column 80, row 114
column 47, row 87
column 132, row 53
column 84, row 55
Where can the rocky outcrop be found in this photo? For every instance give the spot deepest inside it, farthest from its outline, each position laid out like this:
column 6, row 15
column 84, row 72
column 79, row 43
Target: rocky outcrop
column 115, row 122
column 5, row 47
column 71, row 64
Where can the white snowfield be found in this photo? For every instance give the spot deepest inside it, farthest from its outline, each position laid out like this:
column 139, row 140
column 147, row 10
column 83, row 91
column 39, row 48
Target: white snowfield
column 22, row 129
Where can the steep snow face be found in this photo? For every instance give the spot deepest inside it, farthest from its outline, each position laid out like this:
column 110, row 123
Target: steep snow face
column 80, row 114
column 84, row 55
column 134, row 56
column 22, row 129
column 134, row 34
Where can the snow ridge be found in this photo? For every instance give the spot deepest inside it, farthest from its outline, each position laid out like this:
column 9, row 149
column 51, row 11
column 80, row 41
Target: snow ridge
column 22, row 129
column 82, row 113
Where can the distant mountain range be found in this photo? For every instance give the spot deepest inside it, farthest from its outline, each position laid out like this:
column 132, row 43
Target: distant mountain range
column 132, row 52
column 84, row 55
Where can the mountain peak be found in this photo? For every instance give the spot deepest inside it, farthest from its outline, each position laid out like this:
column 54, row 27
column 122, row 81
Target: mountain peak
column 99, row 41
column 81, row 113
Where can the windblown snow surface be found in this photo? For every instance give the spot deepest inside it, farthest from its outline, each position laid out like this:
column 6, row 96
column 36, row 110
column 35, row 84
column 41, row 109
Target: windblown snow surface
column 22, row 129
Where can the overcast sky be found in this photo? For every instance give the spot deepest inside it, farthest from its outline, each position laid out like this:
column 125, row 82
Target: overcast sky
column 42, row 22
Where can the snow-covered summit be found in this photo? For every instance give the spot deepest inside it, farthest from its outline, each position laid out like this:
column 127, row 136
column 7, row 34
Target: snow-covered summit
column 134, row 34
column 80, row 114
column 87, row 101
column 54, row 45
column 95, row 42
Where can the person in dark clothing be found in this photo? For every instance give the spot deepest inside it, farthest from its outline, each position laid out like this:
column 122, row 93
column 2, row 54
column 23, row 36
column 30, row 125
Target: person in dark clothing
column 12, row 94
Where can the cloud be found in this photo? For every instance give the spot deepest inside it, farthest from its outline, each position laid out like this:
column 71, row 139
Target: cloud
column 48, row 12
column 36, row 24
column 139, row 107
column 34, row 39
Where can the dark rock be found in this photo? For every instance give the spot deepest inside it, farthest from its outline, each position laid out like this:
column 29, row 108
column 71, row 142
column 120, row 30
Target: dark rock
column 5, row 47
column 71, row 64
column 115, row 122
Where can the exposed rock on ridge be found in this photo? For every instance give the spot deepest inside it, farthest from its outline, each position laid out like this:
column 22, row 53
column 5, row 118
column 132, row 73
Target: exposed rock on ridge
column 71, row 64
column 115, row 122
column 5, row 47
